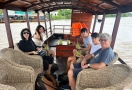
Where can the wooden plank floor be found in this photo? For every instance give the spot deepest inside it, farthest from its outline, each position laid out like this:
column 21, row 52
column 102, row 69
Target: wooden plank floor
column 60, row 61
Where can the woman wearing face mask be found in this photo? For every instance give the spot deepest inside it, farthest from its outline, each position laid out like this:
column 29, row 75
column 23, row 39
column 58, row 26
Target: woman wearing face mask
column 28, row 47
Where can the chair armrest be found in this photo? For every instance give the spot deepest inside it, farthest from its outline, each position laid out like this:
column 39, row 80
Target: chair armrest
column 82, row 79
column 19, row 73
column 34, row 61
column 6, row 87
column 107, row 88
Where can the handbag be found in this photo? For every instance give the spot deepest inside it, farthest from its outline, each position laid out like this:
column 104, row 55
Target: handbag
column 45, row 82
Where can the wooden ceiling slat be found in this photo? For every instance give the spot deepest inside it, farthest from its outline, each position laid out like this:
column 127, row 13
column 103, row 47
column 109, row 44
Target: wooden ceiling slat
column 111, row 3
column 4, row 0
column 72, row 2
column 122, row 2
column 99, row 6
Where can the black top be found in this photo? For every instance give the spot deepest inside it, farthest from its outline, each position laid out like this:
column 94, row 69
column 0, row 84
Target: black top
column 27, row 46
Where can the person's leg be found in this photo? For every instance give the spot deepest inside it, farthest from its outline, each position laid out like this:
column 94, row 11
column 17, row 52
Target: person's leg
column 49, row 59
column 72, row 74
column 71, row 79
column 74, row 52
column 69, row 60
column 45, row 66
column 52, row 53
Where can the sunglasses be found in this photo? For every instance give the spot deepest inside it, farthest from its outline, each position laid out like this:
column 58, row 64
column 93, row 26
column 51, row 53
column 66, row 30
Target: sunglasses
column 26, row 32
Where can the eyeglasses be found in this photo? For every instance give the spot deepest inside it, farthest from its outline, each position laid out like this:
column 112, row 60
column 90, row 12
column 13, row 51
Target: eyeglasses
column 101, row 40
column 26, row 32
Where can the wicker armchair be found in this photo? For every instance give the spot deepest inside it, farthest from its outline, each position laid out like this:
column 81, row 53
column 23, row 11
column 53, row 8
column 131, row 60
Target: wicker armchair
column 35, row 61
column 113, row 77
column 6, row 87
column 14, row 76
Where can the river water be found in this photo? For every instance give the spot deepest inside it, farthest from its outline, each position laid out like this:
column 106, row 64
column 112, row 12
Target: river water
column 123, row 44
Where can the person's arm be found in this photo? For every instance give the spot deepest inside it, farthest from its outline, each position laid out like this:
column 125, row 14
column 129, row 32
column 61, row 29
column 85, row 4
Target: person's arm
column 95, row 66
column 36, row 35
column 87, row 57
column 21, row 47
column 88, row 48
column 98, row 65
column 32, row 52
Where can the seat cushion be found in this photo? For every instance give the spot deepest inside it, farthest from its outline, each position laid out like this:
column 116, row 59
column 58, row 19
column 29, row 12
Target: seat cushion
column 22, row 86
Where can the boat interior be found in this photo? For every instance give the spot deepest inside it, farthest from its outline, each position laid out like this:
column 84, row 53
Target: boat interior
column 17, row 73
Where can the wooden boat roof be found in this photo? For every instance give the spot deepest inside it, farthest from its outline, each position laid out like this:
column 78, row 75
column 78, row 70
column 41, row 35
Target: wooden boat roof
column 91, row 6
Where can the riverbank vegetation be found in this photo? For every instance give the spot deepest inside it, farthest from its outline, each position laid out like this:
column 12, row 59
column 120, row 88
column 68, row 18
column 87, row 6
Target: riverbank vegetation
column 62, row 14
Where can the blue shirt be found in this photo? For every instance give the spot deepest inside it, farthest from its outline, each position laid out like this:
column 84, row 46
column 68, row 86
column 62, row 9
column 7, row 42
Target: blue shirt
column 87, row 41
column 105, row 56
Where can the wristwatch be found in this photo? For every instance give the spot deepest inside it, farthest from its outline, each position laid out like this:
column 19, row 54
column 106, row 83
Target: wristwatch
column 88, row 65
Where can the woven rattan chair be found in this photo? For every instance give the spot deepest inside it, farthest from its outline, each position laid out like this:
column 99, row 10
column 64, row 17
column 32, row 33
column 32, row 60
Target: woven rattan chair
column 113, row 77
column 19, row 57
column 6, row 87
column 14, row 76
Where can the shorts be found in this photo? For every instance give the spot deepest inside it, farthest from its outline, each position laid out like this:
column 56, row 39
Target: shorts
column 77, row 69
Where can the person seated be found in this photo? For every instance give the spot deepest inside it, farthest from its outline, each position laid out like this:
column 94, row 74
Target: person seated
column 28, row 47
column 95, row 46
column 101, row 58
column 38, row 38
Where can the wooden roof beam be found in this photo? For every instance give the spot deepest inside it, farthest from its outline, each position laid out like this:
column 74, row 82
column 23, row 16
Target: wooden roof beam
column 51, row 6
column 111, row 3
column 69, row 1
column 71, row 7
column 2, row 5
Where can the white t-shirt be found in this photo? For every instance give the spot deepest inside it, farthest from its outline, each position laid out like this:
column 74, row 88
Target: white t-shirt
column 95, row 48
column 39, row 42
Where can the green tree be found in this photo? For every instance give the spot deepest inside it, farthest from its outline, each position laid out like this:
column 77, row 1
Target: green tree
column 62, row 14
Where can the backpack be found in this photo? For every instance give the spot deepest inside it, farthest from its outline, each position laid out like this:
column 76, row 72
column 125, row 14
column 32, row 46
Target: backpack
column 45, row 82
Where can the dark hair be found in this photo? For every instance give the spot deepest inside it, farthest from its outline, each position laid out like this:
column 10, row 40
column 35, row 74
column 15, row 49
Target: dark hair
column 30, row 35
column 95, row 35
column 37, row 29
column 84, row 30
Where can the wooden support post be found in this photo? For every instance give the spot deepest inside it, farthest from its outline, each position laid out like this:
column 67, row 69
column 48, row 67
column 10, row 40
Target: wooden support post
column 102, row 24
column 38, row 18
column 27, row 19
column 8, row 29
column 94, row 23
column 50, row 22
column 45, row 23
column 115, row 29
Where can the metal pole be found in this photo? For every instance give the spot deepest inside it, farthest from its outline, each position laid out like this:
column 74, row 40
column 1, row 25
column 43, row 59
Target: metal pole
column 45, row 23
column 8, row 29
column 38, row 18
column 94, row 23
column 27, row 19
column 102, row 24
column 50, row 22
column 115, row 29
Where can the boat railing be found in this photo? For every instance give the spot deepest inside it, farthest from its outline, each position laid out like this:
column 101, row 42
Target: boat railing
column 61, row 29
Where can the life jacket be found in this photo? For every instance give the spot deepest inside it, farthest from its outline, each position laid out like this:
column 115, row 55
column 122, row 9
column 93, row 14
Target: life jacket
column 76, row 28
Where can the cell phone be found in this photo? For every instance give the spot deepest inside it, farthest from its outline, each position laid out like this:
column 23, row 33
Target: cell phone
column 38, row 51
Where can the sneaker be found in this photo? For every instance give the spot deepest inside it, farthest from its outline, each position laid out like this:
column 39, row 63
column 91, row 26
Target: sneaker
column 65, row 87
